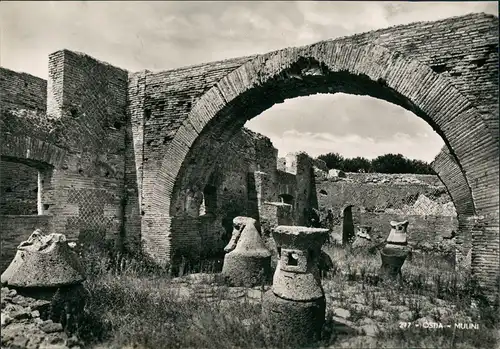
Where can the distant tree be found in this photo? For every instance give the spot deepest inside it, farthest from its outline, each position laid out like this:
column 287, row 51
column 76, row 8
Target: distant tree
column 421, row 167
column 332, row 160
column 357, row 164
column 390, row 163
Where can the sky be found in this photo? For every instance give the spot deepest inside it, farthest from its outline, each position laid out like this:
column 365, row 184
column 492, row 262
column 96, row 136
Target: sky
column 165, row 35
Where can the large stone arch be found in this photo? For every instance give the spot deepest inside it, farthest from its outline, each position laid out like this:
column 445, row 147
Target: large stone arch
column 341, row 65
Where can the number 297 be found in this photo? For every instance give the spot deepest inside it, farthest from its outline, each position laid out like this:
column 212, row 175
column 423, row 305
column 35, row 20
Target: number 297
column 404, row 325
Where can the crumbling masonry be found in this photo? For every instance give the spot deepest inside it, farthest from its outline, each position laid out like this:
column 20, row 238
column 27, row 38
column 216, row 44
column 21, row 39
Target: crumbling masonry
column 132, row 155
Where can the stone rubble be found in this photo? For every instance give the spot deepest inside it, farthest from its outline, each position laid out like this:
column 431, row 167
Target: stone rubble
column 24, row 324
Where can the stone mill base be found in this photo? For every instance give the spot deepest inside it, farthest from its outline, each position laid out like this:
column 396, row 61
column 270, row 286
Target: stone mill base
column 291, row 322
column 247, row 270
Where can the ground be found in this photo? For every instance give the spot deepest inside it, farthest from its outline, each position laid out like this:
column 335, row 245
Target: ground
column 134, row 305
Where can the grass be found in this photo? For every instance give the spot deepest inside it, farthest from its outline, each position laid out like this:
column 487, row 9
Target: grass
column 134, row 304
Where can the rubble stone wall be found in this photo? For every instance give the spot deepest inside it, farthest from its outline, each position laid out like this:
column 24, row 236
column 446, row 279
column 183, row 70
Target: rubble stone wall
column 421, row 229
column 336, row 195
column 376, row 199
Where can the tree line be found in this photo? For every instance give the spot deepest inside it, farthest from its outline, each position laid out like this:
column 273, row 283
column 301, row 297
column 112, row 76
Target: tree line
column 388, row 163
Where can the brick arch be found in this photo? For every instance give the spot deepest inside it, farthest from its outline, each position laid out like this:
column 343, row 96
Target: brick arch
column 326, row 67
column 31, row 151
column 409, row 84
column 450, row 174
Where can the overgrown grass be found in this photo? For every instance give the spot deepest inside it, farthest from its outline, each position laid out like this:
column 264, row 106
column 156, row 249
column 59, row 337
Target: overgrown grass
column 133, row 303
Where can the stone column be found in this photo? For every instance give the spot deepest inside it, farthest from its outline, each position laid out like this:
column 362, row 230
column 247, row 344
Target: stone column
column 395, row 251
column 294, row 308
column 247, row 262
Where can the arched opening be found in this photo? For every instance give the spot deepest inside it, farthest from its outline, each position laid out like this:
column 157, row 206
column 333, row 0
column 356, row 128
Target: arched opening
column 22, row 186
column 331, row 67
column 24, row 207
column 316, row 78
column 210, row 200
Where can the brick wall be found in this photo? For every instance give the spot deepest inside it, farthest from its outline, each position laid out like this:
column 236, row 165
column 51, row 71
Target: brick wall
column 450, row 173
column 336, row 195
column 16, row 229
column 22, row 91
column 421, row 229
column 18, row 189
column 134, row 158
column 245, row 182
column 87, row 98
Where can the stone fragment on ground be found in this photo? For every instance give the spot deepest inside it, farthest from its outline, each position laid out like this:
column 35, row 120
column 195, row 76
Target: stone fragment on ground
column 343, row 313
column 381, row 315
column 343, row 326
column 406, row 315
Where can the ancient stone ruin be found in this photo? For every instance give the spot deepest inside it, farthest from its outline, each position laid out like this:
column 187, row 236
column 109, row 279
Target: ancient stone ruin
column 294, row 307
column 46, row 268
column 247, row 261
column 45, row 275
column 395, row 251
column 90, row 148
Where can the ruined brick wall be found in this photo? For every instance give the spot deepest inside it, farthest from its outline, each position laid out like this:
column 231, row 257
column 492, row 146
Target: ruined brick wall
column 377, row 198
column 22, row 124
column 245, row 153
column 87, row 99
column 22, row 91
column 16, row 229
column 235, row 194
column 23, row 103
column 337, row 194
column 445, row 71
column 423, row 231
column 82, row 136
column 134, row 158
column 18, row 189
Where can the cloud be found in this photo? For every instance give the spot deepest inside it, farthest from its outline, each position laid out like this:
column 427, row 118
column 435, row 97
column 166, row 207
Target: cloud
column 162, row 35
column 341, row 114
column 352, row 145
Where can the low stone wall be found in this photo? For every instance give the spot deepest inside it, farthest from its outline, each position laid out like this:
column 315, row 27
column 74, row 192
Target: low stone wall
column 16, row 229
column 424, row 232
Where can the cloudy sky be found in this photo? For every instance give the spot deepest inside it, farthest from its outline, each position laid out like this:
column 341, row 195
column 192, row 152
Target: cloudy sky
column 165, row 35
